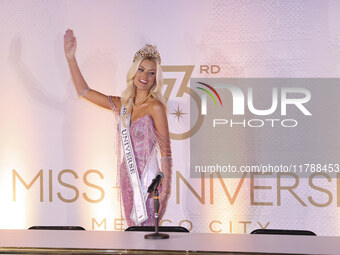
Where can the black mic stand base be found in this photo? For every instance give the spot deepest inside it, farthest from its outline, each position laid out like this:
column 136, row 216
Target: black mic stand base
column 156, row 236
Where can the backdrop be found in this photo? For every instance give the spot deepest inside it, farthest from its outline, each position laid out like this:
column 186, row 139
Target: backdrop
column 57, row 160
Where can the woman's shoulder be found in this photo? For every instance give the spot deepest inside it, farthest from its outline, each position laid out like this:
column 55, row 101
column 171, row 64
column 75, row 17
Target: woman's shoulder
column 156, row 106
column 157, row 111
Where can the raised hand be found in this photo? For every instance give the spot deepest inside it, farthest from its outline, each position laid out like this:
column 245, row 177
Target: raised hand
column 70, row 44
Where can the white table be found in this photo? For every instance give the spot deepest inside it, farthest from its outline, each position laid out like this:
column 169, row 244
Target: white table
column 110, row 242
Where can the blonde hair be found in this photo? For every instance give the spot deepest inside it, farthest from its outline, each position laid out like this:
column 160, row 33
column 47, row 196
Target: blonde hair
column 130, row 92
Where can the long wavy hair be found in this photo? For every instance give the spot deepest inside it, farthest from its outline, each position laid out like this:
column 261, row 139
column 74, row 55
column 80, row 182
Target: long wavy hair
column 130, row 92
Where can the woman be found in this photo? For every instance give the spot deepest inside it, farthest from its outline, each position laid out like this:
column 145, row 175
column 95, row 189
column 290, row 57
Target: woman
column 143, row 125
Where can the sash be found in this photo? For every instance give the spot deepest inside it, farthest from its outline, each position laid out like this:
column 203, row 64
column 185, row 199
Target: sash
column 138, row 214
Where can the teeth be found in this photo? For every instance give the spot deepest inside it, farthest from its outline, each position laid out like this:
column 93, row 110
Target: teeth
column 142, row 81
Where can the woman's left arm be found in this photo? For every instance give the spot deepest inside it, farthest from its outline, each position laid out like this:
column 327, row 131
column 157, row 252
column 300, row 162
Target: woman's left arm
column 160, row 119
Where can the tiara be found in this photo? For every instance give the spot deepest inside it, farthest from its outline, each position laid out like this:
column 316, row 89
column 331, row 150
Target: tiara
column 148, row 51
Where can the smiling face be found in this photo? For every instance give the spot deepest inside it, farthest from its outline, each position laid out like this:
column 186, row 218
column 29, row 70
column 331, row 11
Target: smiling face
column 146, row 75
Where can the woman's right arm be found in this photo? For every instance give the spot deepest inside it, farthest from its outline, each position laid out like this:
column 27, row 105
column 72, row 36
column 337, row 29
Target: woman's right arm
column 83, row 90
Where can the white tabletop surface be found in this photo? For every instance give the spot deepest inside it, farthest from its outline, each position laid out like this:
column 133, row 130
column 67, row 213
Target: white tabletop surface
column 106, row 240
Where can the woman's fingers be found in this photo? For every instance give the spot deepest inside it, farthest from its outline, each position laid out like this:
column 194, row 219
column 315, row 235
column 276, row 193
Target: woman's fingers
column 66, row 37
column 70, row 44
column 69, row 36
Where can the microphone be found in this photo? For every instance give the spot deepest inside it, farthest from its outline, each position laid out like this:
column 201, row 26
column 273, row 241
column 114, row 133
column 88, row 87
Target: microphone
column 155, row 182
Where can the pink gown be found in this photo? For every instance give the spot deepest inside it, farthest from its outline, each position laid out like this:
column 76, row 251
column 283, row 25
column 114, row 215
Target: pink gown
column 143, row 138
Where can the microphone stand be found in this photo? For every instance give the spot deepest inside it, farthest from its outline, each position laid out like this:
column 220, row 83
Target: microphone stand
column 156, row 235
